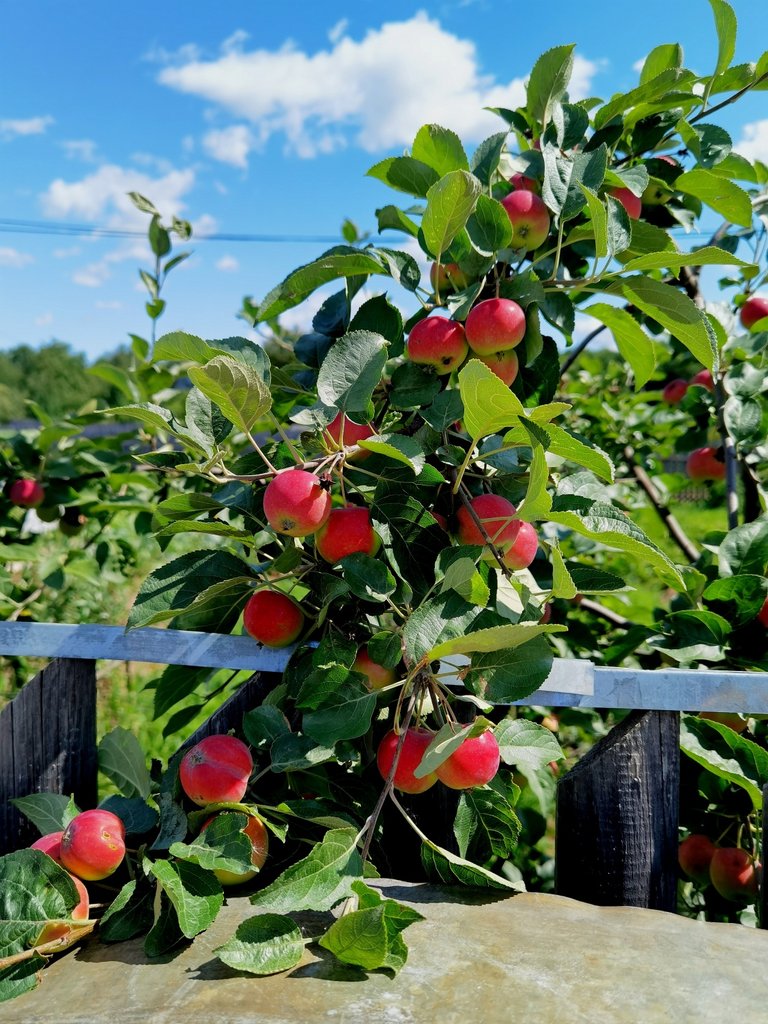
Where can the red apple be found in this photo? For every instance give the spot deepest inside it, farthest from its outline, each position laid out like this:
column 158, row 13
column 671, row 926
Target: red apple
column 529, row 218
column 695, row 855
column 257, row 833
column 438, row 342
column 273, row 618
column 215, row 770
column 498, row 518
column 50, row 844
column 346, row 531
column 415, row 743
column 26, row 493
column 675, row 391
column 632, row 204
column 762, row 615
column 376, row 675
column 522, row 551
column 505, row 365
column 706, row 464
column 494, row 325
column 754, row 309
column 732, row 720
column 472, row 764
column 703, row 379
column 345, row 431
column 60, row 929
column 295, row 503
column 93, row 844
column 448, row 278
column 732, row 872
column 520, row 181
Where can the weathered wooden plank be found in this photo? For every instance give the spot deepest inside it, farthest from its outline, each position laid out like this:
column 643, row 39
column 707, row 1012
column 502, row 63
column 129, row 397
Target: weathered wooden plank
column 230, row 714
column 48, row 744
column 617, row 817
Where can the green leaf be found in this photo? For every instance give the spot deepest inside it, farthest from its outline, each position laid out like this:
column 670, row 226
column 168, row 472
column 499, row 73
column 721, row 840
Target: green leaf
column 739, row 597
column 691, row 635
column 368, row 578
column 489, row 405
column 379, row 316
column 440, row 149
column 485, row 160
column 745, row 549
column 562, row 581
column 565, row 176
column 607, row 525
column 222, row 846
column 489, row 227
column 548, row 82
column 21, row 977
column 726, row 754
column 504, row 676
column 485, row 825
column 341, row 261
column 318, row 881
column 446, row 868
column 195, row 893
column 717, row 192
column 405, row 174
column 435, row 621
column 725, row 23
column 134, row 812
column 122, row 760
column 450, row 202
column 399, row 447
column 677, row 313
column 351, row 371
column 599, row 217
column 34, row 889
column 495, row 638
column 537, row 501
column 668, row 55
column 175, row 586
column 298, row 753
column 165, row 934
column 345, row 715
column 396, row 220
column 568, row 446
column 463, row 577
column 413, row 386
column 526, row 743
column 411, row 537
column 130, row 913
column 635, row 346
column 448, row 739
column 239, row 391
column 265, row 944
column 264, row 724
column 707, row 255
column 48, row 812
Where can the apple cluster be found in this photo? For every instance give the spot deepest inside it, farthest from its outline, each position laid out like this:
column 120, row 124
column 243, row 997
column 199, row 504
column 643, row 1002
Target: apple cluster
column 474, row 763
column 734, row 873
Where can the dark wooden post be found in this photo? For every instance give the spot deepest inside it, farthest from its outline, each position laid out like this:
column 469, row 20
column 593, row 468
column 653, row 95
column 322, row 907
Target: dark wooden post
column 48, row 744
column 617, row 817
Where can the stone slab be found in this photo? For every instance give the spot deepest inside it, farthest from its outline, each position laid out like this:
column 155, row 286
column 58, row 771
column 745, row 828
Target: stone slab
column 474, row 960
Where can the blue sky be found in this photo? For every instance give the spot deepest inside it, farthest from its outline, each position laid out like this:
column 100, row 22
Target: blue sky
column 257, row 117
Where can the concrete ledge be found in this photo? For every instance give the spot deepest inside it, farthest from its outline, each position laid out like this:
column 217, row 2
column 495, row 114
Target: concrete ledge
column 476, row 958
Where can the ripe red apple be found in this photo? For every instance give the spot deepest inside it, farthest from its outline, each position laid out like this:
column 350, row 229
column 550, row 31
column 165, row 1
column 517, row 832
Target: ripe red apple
column 754, row 309
column 529, row 218
column 675, row 391
column 93, row 844
column 60, row 929
column 345, row 431
column 546, row 616
column 438, row 342
column 449, row 277
column 376, row 675
column 494, row 325
column 415, row 743
column 257, row 833
column 26, row 493
column 521, row 181
column 732, row 872
column 706, row 464
column 215, row 770
column 498, row 518
column 295, row 503
column 474, row 763
column 273, row 618
column 762, row 615
column 346, row 531
column 522, row 551
column 632, row 204
column 694, row 855
column 505, row 365
column 50, row 844
column 703, row 379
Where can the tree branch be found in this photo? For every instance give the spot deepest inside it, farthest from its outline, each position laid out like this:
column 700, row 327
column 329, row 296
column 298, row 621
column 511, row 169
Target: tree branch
column 674, row 528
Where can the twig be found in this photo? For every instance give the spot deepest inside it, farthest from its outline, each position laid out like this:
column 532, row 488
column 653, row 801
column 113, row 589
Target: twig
column 674, row 528
column 604, row 613
column 731, row 460
column 463, row 495
column 576, row 351
column 76, row 933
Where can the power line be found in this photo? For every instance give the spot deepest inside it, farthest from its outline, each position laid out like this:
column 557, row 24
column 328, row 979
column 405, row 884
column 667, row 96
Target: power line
column 45, row 227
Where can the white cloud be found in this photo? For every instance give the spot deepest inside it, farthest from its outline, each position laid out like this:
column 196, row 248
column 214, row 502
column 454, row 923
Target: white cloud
column 13, row 258
column 105, row 193
column 638, row 65
column 754, row 141
column 338, row 30
column 230, row 145
column 95, row 274
column 65, row 254
column 81, row 149
column 228, row 264
column 376, row 91
column 114, row 304
column 44, row 319
column 11, row 128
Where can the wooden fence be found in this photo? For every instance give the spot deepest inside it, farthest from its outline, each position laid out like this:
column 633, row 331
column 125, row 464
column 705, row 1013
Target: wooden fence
column 617, row 809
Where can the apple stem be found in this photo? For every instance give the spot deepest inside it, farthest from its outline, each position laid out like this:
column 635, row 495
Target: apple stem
column 297, row 458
